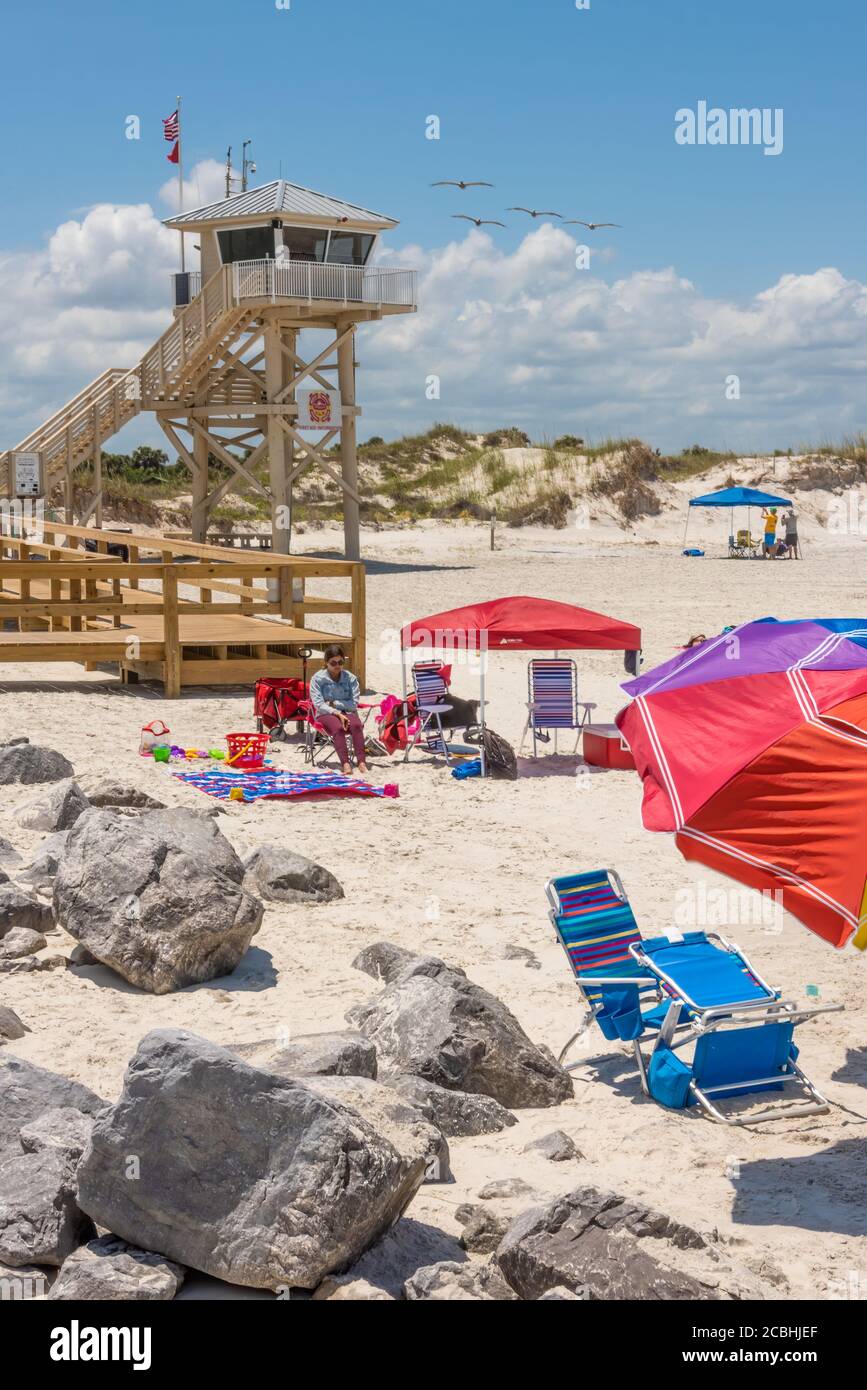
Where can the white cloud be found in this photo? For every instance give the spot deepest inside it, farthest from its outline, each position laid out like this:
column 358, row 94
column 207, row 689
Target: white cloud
column 517, row 337
column 204, row 184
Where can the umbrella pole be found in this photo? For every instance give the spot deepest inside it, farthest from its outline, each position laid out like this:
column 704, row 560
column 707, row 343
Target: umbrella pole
column 484, row 766
column 686, row 526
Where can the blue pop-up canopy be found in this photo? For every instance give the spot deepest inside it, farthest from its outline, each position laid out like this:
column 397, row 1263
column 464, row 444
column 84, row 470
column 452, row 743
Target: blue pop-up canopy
column 739, row 497
column 736, row 497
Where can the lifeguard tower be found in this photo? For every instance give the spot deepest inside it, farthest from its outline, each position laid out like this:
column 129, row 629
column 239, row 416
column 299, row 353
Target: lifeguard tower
column 226, row 380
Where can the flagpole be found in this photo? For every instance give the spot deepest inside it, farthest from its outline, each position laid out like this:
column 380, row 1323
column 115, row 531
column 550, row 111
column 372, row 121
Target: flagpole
column 180, row 181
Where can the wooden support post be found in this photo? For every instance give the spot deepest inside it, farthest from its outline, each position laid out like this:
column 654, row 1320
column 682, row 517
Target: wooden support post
column 275, row 379
column 348, row 449
column 171, row 634
column 359, row 619
column 200, row 485
column 68, row 492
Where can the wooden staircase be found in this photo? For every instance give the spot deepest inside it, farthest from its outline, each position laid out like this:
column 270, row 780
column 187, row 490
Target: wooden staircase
column 195, row 342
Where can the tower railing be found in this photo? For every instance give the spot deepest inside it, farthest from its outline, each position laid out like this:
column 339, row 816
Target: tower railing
column 310, row 280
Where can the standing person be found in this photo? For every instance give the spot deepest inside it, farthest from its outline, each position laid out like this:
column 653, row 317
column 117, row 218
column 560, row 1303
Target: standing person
column 334, row 692
column 769, row 517
column 790, row 521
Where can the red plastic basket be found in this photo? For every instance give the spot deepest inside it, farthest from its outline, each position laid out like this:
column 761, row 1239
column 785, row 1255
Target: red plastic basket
column 247, row 751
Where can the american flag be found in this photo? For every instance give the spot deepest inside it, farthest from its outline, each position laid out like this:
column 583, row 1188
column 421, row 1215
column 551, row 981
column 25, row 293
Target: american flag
column 171, row 127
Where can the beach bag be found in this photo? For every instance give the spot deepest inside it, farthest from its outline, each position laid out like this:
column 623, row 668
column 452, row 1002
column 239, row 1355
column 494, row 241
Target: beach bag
column 500, row 760
column 153, row 735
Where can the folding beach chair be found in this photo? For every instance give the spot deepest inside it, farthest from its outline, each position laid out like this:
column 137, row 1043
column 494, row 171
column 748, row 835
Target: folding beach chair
column 704, row 998
column 552, row 686
column 318, row 742
column 742, row 546
column 431, row 694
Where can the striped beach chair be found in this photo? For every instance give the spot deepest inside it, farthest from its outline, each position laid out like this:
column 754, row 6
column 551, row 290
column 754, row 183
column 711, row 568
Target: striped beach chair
column 553, row 704
column 431, row 693
column 596, row 927
column 719, row 1031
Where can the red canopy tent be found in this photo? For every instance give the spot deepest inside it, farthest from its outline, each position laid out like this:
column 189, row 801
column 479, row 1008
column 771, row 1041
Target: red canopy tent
column 519, row 623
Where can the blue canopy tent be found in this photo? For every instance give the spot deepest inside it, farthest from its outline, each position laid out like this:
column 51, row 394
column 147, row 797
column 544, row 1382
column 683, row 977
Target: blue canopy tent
column 736, row 497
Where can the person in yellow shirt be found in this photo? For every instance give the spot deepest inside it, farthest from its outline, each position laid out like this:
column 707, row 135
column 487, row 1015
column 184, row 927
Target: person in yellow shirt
column 769, row 517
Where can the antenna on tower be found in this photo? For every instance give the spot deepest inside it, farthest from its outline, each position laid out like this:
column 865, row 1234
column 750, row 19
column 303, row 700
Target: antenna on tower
column 247, row 166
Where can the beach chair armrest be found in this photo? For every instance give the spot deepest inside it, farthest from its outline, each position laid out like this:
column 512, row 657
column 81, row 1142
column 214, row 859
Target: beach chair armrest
column 765, row 1011
column 642, row 981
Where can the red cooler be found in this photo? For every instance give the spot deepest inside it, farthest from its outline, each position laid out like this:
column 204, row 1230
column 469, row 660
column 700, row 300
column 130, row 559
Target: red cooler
column 604, row 747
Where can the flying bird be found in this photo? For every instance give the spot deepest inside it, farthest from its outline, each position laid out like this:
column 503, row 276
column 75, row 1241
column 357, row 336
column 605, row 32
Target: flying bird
column 534, row 213
column 461, row 183
column 592, row 226
column 479, row 221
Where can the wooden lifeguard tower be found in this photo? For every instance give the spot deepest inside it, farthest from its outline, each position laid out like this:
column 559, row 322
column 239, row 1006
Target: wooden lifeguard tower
column 224, row 379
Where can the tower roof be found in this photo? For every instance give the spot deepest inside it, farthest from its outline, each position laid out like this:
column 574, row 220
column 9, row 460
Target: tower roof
column 280, row 198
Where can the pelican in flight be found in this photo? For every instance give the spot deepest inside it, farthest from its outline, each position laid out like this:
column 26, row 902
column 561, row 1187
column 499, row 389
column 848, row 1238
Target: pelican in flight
column 478, row 221
column 461, row 183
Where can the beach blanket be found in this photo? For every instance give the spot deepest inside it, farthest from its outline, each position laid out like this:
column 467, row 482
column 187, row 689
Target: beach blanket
column 270, row 784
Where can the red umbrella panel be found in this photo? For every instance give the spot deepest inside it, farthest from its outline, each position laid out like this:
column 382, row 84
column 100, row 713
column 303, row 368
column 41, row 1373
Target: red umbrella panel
column 760, row 766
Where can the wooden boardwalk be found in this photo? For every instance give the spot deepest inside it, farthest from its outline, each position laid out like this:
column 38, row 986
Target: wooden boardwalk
column 206, row 617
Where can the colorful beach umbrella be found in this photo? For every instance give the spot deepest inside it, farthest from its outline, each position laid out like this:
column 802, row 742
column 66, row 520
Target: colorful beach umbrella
column 752, row 749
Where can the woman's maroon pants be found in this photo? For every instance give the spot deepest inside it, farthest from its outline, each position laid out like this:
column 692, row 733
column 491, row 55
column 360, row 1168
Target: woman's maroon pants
column 332, row 725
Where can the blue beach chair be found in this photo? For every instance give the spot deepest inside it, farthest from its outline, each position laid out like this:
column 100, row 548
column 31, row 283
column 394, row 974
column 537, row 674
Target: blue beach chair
column 682, row 993
column 552, row 687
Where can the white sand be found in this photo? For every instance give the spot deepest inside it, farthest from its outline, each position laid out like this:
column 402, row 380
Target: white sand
column 458, row 869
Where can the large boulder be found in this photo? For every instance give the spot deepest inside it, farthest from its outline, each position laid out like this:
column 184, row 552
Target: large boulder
column 157, row 897
column 40, row 1219
column 104, row 789
column 403, row 1123
column 20, row 909
column 11, row 1027
column 57, row 809
column 345, row 1053
column 279, row 875
column 109, row 1270
column 431, row 1021
column 602, row 1246
column 455, row 1113
column 27, row 1091
column 253, row 1178
column 63, row 1129
column 21, row 941
column 29, row 763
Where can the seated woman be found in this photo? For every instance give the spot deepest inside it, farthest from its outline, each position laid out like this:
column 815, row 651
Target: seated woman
column 334, row 692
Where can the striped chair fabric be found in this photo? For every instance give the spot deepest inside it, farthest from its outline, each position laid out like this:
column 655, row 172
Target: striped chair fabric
column 431, row 690
column 596, row 927
column 553, row 692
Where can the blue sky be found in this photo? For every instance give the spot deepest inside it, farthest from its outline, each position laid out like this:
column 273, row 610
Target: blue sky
column 562, row 108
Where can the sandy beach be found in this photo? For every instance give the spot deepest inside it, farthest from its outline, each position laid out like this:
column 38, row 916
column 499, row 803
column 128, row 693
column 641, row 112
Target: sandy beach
column 457, row 869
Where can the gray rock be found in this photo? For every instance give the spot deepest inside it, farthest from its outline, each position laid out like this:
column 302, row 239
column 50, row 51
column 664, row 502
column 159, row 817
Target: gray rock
column 63, row 1128
column 505, row 1187
column 556, row 1146
column 21, row 941
column 253, row 1178
column 11, row 1027
column 14, row 742
column 110, row 1270
column 8, row 852
column 53, row 962
column 79, row 955
column 104, row 789
column 483, row 1229
column 158, row 898
column 561, row 1294
column 452, row 1282
column 29, row 763
column 431, row 1021
column 57, row 809
column 455, row 1113
column 26, row 1092
column 344, row 1053
column 18, row 965
column 40, row 1220
column 600, row 1241
column 400, row 1121
column 41, row 872
column 20, row 909
column 278, row 875
column 345, row 1289
column 25, row 1283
